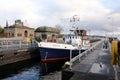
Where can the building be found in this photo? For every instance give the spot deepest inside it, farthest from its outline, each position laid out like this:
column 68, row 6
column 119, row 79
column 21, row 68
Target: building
column 19, row 30
column 45, row 32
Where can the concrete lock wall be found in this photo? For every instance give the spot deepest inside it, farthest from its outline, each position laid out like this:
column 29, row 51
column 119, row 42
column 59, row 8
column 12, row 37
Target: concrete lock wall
column 12, row 56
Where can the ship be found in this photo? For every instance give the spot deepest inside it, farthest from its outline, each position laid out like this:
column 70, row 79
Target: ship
column 73, row 44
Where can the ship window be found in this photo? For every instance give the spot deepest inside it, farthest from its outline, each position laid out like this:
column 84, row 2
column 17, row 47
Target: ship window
column 73, row 37
column 76, row 37
column 70, row 37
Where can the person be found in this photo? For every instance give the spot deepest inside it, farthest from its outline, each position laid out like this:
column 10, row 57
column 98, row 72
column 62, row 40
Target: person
column 105, row 45
column 70, row 41
column 64, row 39
column 48, row 39
column 54, row 40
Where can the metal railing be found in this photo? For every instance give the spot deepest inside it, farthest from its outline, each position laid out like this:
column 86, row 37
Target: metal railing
column 14, row 43
column 79, row 57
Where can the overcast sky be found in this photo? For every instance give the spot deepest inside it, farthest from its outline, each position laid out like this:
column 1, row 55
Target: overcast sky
column 97, row 16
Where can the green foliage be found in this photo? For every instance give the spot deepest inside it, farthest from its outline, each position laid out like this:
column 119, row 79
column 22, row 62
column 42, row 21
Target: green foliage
column 1, row 30
column 2, row 34
column 59, row 28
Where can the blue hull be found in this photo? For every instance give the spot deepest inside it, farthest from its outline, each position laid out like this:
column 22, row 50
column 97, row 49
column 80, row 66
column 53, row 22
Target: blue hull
column 51, row 54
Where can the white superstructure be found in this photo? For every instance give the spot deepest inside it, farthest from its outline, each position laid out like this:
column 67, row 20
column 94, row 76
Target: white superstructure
column 71, row 41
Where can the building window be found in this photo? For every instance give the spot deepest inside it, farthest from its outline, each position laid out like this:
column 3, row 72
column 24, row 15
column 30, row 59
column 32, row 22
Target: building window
column 44, row 36
column 12, row 34
column 19, row 34
column 26, row 33
column 73, row 37
column 9, row 34
column 31, row 34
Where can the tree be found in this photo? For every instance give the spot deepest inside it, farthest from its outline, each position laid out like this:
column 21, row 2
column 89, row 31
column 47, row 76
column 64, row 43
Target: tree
column 59, row 28
column 2, row 34
column 1, row 30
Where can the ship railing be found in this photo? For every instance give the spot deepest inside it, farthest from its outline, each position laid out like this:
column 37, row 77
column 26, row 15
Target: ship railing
column 14, row 43
column 83, row 54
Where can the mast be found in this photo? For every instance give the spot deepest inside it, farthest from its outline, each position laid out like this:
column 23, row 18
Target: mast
column 77, row 32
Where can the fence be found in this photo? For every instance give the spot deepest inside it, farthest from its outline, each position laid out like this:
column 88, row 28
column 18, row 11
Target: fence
column 79, row 57
column 14, row 43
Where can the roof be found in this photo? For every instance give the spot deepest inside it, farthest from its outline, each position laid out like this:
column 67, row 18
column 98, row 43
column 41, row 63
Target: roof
column 46, row 29
column 19, row 26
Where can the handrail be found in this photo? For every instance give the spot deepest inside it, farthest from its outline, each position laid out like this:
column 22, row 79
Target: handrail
column 14, row 43
column 1, row 39
column 72, row 60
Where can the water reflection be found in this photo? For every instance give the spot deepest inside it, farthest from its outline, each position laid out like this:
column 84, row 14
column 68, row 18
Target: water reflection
column 46, row 68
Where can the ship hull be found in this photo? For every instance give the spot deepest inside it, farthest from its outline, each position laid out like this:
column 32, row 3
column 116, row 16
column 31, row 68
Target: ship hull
column 52, row 54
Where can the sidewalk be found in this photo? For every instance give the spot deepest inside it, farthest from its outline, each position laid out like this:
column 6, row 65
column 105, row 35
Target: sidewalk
column 95, row 66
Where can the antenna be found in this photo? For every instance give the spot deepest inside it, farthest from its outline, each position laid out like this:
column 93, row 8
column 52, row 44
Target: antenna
column 74, row 20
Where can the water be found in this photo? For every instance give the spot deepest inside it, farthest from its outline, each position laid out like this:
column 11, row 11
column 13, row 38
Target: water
column 21, row 71
column 28, row 70
column 50, row 67
column 31, row 73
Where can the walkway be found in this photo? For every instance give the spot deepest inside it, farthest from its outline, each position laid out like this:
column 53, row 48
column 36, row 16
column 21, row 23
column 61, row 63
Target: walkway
column 95, row 66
